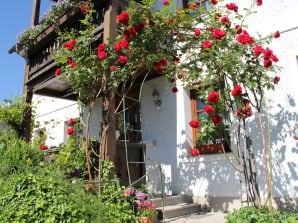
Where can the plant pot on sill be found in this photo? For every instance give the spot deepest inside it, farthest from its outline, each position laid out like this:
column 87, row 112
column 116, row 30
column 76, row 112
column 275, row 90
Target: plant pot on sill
column 151, row 219
column 212, row 149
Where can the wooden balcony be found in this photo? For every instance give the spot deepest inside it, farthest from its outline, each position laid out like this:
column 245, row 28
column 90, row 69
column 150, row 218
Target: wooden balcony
column 40, row 67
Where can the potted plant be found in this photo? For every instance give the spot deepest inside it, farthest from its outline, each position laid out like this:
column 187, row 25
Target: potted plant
column 144, row 209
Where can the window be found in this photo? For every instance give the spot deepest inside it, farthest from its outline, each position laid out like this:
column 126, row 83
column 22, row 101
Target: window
column 211, row 139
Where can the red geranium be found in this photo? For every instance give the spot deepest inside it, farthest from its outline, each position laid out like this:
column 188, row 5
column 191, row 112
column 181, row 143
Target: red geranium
column 194, row 124
column 70, row 131
column 123, row 18
column 209, row 109
column 237, row 91
column 213, row 97
column 218, row 34
column 216, row 119
column 57, row 72
column 194, row 151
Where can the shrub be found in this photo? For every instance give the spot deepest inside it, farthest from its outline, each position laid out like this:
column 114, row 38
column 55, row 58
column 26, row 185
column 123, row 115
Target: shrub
column 252, row 215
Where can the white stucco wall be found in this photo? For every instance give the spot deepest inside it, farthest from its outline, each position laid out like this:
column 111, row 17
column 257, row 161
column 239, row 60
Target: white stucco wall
column 51, row 115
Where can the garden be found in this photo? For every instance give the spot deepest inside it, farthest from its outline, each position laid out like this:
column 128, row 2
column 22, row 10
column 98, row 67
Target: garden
column 209, row 51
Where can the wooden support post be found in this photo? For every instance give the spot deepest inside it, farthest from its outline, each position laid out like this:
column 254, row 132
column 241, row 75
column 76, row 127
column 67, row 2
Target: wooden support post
column 35, row 12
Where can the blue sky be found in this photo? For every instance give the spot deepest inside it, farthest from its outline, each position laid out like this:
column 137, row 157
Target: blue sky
column 15, row 17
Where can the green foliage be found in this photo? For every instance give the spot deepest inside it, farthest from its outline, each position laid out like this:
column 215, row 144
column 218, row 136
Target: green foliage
column 114, row 205
column 16, row 155
column 43, row 197
column 13, row 114
column 252, row 215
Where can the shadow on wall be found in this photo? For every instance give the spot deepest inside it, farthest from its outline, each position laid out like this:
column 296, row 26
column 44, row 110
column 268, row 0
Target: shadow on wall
column 210, row 178
column 284, row 154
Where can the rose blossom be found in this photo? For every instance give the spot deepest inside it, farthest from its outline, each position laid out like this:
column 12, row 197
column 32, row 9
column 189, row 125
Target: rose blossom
column 71, row 121
column 218, row 34
column 70, row 131
column 274, row 58
column 213, row 97
column 259, row 2
column 43, row 147
column 225, row 21
column 276, row 79
column 174, row 89
column 258, row 50
column 267, row 53
column 84, row 9
column 101, row 47
column 197, row 32
column 209, row 109
column 140, row 196
column 194, row 124
column 102, row 55
column 70, row 44
column 113, row 68
column 165, row 2
column 121, row 45
column 207, row 44
column 276, row 34
column 123, row 18
column 122, row 59
column 216, row 119
column 267, row 63
column 238, row 28
column 73, row 64
column 232, row 6
column 214, row 2
column 245, row 38
column 237, row 91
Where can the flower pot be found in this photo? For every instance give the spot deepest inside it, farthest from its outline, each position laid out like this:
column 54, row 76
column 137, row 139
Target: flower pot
column 211, row 149
column 151, row 219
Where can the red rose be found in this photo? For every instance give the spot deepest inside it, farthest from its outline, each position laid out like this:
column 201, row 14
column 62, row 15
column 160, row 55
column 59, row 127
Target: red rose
column 218, row 34
column 113, row 68
column 197, row 32
column 207, row 44
column 84, row 9
column 259, row 2
column 70, row 44
column 237, row 91
column 122, row 59
column 232, row 6
column 258, row 50
column 174, row 89
column 165, row 2
column 216, row 119
column 209, row 109
column 225, row 21
column 69, row 60
column 213, row 97
column 267, row 63
column 121, row 45
column 239, row 29
column 176, row 59
column 132, row 32
column 71, row 121
column 101, row 47
column 276, row 34
column 70, row 131
column 57, row 72
column 245, row 38
column 214, row 2
column 102, row 55
column 194, row 151
column 159, row 71
column 274, row 58
column 123, row 18
column 267, row 53
column 276, row 80
column 43, row 147
column 194, row 124
column 73, row 64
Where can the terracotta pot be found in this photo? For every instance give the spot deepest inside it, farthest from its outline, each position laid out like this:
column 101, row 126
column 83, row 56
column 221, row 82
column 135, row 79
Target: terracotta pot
column 211, row 149
column 151, row 219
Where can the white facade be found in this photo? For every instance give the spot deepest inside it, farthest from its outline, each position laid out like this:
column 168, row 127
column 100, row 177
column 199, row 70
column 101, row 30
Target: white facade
column 210, row 178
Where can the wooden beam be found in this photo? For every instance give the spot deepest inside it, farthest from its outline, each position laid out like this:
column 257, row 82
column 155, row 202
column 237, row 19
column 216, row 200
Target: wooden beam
column 35, row 12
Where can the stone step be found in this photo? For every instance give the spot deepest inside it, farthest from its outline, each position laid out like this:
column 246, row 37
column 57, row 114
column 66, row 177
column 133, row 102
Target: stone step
column 177, row 210
column 171, row 200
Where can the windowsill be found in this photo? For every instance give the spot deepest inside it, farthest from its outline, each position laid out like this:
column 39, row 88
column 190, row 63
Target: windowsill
column 218, row 157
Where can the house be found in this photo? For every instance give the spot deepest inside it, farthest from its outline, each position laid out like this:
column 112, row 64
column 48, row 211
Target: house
column 162, row 117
